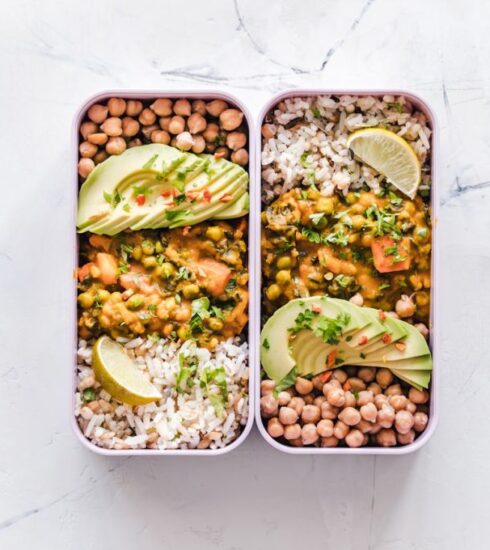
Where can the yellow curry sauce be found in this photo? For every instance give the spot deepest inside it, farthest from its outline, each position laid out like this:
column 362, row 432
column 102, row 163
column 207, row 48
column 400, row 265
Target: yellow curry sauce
column 178, row 283
column 377, row 245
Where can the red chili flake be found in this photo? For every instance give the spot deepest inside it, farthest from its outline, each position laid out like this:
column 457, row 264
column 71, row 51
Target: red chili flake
column 325, row 376
column 363, row 340
column 331, row 359
column 400, row 346
column 167, row 193
column 226, row 198
column 191, row 195
column 140, row 199
column 386, row 338
column 219, row 155
column 207, row 196
column 381, row 315
column 347, row 386
column 316, row 308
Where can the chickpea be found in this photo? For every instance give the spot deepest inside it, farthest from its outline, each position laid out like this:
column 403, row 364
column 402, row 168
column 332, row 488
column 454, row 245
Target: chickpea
column 112, row 127
column 366, row 240
column 319, row 400
column 216, row 107
column 411, row 407
column 350, row 399
column 354, row 438
column 420, row 421
column 386, row 438
column 386, row 416
column 87, row 149
column 284, row 398
column 406, row 439
column 364, row 397
column 160, row 136
column 182, row 107
column 303, row 386
column 274, row 428
column 230, row 119
column 136, row 142
column 199, row 106
column 267, row 387
column 269, row 406
column 240, row 157
column 384, row 377
column 87, row 128
column 423, row 330
column 336, row 397
column 97, row 113
column 339, row 375
column 273, row 292
column 116, row 106
column 369, row 412
column 268, row 131
column 325, row 205
column 374, row 388
column 98, row 139
column 288, row 416
column 133, row 107
column 85, row 166
column 350, row 416
column 398, row 402
column 357, row 299
column 147, row 117
column 297, row 403
column 418, row 397
column 191, row 291
column 162, row 107
column 236, row 140
column 358, row 222
column 185, row 141
column 325, row 428
column 355, row 384
column 405, row 307
column 329, row 412
column 149, row 262
column 215, row 233
column 196, row 123
column 367, row 374
column 183, row 332
column 176, row 125
column 211, row 133
column 115, row 146
column 215, row 324
column 404, row 422
column 100, row 157
column 311, row 413
column 199, row 144
column 168, row 270
column 292, row 432
column 221, row 152
column 340, row 430
column 394, row 389
column 308, row 399
column 165, row 123
column 148, row 130
column 309, row 435
column 380, row 400
column 331, row 441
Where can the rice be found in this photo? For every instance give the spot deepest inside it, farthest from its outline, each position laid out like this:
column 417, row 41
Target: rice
column 185, row 419
column 310, row 135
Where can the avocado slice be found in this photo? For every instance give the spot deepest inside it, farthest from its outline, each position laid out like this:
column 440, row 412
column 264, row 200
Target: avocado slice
column 138, row 162
column 417, row 378
column 396, row 331
column 369, row 334
column 235, row 210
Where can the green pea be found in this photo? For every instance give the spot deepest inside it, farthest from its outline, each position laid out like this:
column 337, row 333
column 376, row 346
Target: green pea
column 284, row 262
column 215, row 233
column 283, row 277
column 273, row 292
column 149, row 262
column 148, row 248
column 135, row 302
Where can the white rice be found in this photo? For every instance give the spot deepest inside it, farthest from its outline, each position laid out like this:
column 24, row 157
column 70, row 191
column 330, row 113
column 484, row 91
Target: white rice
column 179, row 420
column 313, row 148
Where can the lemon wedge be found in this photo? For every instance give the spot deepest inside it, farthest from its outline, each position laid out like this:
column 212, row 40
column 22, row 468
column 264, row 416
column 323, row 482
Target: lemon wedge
column 390, row 155
column 119, row 375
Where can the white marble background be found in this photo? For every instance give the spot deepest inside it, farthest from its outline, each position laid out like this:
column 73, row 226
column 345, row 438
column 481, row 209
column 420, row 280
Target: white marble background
column 55, row 494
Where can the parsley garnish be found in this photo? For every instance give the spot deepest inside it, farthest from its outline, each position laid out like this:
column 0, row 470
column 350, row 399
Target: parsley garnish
column 343, row 280
column 288, row 381
column 303, row 159
column 182, row 274
column 317, row 217
column 114, row 199
column 316, row 112
column 149, row 162
column 125, row 250
column 266, row 344
column 330, row 329
column 231, row 285
column 176, row 215
column 303, row 321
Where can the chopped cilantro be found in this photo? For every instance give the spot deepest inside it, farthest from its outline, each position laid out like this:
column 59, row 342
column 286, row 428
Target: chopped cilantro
column 266, row 343
column 303, row 321
column 303, row 159
column 125, row 250
column 331, row 329
column 231, row 285
column 288, row 381
column 343, row 280
column 383, row 285
column 317, row 217
column 182, row 274
column 176, row 216
column 149, row 162
column 126, row 207
column 316, row 112
column 89, row 395
column 217, row 312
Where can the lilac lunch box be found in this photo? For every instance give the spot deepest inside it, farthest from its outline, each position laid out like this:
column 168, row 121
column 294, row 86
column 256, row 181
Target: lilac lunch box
column 253, row 244
column 434, row 317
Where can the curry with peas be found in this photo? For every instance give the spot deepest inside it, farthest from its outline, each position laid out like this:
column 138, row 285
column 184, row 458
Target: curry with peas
column 179, row 283
column 377, row 245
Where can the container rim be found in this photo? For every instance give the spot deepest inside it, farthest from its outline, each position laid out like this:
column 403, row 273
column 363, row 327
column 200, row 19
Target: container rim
column 253, row 292
column 434, row 334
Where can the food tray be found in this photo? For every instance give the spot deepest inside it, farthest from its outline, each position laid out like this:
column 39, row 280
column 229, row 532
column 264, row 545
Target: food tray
column 253, row 244
column 434, row 316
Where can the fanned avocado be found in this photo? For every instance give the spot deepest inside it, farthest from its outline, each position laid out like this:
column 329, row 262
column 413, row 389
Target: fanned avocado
column 417, row 378
column 395, row 331
column 98, row 194
column 369, row 334
column 235, row 210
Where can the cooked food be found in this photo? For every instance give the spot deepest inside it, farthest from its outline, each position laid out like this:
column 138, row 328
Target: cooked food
column 180, row 283
column 346, row 256
column 162, row 276
column 156, row 186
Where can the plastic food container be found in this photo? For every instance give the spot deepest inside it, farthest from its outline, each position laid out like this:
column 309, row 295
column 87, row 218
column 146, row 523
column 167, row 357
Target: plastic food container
column 434, row 316
column 253, row 243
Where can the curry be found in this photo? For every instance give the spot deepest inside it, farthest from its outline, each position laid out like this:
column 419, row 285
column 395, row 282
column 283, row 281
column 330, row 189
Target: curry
column 378, row 245
column 182, row 283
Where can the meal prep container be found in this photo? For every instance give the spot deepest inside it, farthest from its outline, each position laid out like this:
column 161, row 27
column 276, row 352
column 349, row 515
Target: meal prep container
column 253, row 247
column 255, row 209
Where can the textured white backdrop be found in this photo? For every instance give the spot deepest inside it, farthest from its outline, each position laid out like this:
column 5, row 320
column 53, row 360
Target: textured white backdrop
column 55, row 494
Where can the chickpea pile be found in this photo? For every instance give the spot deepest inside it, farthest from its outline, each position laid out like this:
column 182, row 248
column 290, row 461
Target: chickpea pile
column 198, row 126
column 353, row 407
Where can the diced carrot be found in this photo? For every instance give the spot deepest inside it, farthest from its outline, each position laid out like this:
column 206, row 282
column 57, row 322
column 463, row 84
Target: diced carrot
column 347, row 386
column 386, row 338
column 400, row 346
column 215, row 275
column 316, row 308
column 331, row 359
column 386, row 251
column 107, row 264
column 84, row 271
column 325, row 376
column 101, row 242
column 381, row 315
column 363, row 340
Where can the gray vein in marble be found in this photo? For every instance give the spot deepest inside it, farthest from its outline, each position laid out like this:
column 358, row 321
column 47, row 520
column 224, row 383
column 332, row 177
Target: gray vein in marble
column 373, row 506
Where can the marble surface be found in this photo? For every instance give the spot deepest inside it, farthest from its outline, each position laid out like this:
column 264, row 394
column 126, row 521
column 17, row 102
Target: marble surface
column 54, row 493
